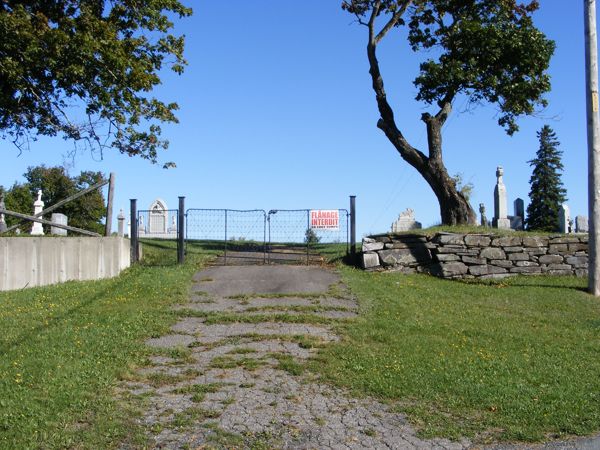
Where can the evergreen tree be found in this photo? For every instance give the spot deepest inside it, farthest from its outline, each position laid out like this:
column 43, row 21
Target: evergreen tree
column 547, row 191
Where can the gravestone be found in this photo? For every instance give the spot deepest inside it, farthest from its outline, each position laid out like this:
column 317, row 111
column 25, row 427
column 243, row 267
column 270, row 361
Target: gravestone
column 121, row 224
column 500, row 204
column 519, row 206
column 516, row 221
column 141, row 226
column 484, row 221
column 564, row 219
column 159, row 217
column 62, row 220
column 406, row 221
column 581, row 224
column 173, row 227
column 3, row 226
column 38, row 207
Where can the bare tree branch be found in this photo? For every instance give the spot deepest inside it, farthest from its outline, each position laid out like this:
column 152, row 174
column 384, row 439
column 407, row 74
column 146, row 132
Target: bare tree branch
column 393, row 21
column 387, row 122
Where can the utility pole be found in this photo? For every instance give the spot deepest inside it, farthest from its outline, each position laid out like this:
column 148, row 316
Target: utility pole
column 593, row 133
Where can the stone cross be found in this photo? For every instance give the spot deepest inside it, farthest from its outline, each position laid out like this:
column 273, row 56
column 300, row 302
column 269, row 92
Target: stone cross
column 484, row 221
column 3, row 226
column 38, row 207
column 121, row 222
column 564, row 219
column 500, row 204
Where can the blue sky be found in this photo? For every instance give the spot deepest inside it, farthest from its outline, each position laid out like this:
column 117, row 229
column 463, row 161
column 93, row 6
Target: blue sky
column 277, row 112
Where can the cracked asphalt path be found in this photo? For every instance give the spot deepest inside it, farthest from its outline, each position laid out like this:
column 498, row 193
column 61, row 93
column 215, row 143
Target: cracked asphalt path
column 241, row 385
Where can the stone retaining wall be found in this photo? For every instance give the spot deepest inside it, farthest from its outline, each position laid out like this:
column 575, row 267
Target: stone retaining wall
column 477, row 255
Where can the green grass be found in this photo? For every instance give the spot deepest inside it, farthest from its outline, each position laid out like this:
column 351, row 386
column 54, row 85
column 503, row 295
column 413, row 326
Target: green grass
column 199, row 391
column 513, row 360
column 65, row 347
column 288, row 364
column 212, row 318
column 227, row 362
column 191, row 416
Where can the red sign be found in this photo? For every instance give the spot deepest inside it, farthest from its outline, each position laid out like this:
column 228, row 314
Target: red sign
column 325, row 219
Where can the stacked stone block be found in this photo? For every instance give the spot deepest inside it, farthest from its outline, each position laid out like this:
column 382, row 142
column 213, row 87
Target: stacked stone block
column 477, row 255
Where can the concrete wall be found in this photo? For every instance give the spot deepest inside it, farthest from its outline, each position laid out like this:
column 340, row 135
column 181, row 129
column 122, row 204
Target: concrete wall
column 39, row 261
column 477, row 255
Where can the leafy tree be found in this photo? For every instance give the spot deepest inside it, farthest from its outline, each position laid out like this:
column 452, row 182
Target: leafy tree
column 466, row 189
column 547, row 191
column 83, row 69
column 19, row 199
column 486, row 50
column 310, row 237
column 85, row 212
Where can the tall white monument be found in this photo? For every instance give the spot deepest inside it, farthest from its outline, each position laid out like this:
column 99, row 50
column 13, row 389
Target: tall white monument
column 38, row 207
column 564, row 219
column 3, row 226
column 501, row 219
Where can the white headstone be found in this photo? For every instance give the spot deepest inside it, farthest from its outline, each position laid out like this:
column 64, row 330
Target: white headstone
column 159, row 217
column 581, row 224
column 406, row 221
column 564, row 219
column 500, row 204
column 121, row 224
column 38, row 207
column 62, row 220
column 173, row 227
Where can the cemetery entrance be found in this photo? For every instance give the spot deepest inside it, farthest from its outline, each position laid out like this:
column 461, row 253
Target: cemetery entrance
column 301, row 236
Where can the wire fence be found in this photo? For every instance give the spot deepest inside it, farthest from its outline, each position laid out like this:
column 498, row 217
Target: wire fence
column 239, row 234
column 255, row 236
column 299, row 233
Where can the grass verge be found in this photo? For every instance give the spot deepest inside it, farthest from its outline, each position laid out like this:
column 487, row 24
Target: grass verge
column 65, row 347
column 514, row 360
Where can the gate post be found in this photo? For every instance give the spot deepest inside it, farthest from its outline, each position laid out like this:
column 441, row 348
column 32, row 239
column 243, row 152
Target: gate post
column 180, row 231
column 109, row 205
column 353, row 226
column 133, row 231
column 307, row 237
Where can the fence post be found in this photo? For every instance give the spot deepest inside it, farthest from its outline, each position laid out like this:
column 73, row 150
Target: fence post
column 133, row 238
column 109, row 204
column 180, row 231
column 353, row 226
column 307, row 236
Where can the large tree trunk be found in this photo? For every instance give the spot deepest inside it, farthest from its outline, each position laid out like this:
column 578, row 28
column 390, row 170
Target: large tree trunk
column 454, row 208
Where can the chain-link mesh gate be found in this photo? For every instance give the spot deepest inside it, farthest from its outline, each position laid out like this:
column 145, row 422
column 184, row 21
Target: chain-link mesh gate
column 295, row 235
column 158, row 228
column 238, row 236
column 257, row 237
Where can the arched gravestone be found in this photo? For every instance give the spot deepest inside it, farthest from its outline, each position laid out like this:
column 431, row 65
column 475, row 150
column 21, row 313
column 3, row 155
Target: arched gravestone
column 159, row 217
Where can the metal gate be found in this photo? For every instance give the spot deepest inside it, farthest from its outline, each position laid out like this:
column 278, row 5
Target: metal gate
column 258, row 237
column 293, row 237
column 237, row 236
